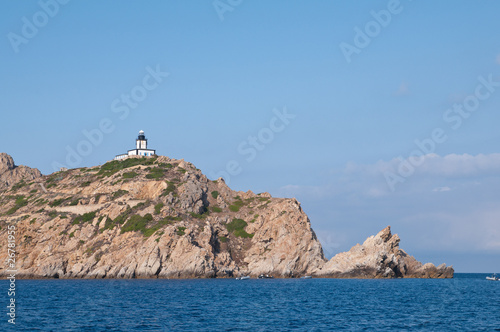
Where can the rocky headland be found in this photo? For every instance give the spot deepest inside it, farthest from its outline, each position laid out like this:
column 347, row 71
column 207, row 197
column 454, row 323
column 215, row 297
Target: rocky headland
column 162, row 218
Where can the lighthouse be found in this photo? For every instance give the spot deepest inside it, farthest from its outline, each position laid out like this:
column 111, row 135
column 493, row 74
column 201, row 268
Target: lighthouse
column 141, row 142
column 141, row 148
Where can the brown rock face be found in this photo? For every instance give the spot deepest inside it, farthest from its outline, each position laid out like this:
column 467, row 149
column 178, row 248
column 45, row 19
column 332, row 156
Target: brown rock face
column 380, row 257
column 162, row 218
column 11, row 174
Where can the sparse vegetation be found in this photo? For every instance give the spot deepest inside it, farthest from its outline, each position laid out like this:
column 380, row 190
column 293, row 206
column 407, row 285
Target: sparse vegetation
column 135, row 223
column 18, row 185
column 74, row 202
column 72, row 234
column 170, row 188
column 158, row 207
column 85, row 184
column 237, row 227
column 122, row 217
column 156, row 173
column 223, row 239
column 138, row 223
column 57, row 202
column 215, row 194
column 86, row 217
column 182, row 170
column 19, row 203
column 140, row 205
column 169, row 220
column 32, row 221
column 180, row 230
column 119, row 193
column 216, row 209
column 129, row 175
column 200, row 216
column 165, row 165
column 112, row 167
column 150, row 231
column 237, row 204
column 108, row 224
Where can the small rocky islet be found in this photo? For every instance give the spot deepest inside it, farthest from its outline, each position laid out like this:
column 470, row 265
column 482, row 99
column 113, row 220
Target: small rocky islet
column 158, row 217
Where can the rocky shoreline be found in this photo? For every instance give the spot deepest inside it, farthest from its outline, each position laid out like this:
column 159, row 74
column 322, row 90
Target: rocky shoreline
column 162, row 218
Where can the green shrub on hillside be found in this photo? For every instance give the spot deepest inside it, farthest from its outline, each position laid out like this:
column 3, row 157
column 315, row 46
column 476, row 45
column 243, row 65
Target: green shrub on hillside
column 74, row 202
column 237, row 204
column 138, row 223
column 57, row 202
column 156, row 173
column 112, row 167
column 169, row 220
column 165, row 165
column 18, row 185
column 119, row 193
column 108, row 224
column 180, row 230
column 86, row 217
column 170, row 188
column 158, row 207
column 129, row 175
column 135, row 223
column 19, row 203
column 216, row 209
column 215, row 194
column 237, row 227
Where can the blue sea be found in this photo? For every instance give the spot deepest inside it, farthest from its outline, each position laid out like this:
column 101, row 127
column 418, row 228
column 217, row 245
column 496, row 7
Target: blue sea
column 467, row 302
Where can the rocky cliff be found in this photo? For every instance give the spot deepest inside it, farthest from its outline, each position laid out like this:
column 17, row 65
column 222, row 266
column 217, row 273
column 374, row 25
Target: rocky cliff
column 380, row 257
column 161, row 217
column 11, row 174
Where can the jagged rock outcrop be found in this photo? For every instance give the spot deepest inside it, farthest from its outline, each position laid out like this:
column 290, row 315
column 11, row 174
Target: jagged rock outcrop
column 10, row 173
column 162, row 218
column 380, row 257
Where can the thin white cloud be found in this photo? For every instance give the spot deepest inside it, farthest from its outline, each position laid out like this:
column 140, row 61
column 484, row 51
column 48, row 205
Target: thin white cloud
column 403, row 89
column 449, row 204
column 441, row 189
column 452, row 165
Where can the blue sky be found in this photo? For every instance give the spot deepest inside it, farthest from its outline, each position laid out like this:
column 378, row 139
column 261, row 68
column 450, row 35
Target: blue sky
column 234, row 65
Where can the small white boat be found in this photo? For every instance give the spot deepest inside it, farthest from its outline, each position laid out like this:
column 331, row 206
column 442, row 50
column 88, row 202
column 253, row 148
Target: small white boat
column 306, row 277
column 493, row 277
column 243, row 278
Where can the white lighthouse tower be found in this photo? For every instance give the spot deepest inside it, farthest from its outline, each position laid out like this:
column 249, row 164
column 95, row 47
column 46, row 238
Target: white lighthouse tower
column 141, row 148
column 141, row 143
